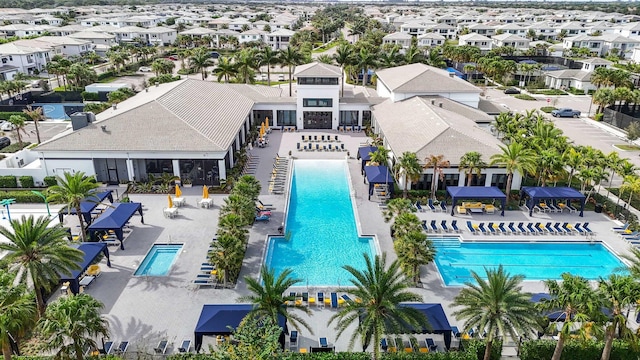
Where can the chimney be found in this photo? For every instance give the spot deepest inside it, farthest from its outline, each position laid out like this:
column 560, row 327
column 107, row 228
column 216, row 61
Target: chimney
column 440, row 104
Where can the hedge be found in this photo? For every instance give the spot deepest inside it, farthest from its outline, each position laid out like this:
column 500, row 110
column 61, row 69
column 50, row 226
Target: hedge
column 21, row 196
column 16, row 147
column 50, row 181
column 463, row 355
column 90, row 96
column 106, row 75
column 576, row 350
column 8, row 181
column 26, row 181
column 5, row 115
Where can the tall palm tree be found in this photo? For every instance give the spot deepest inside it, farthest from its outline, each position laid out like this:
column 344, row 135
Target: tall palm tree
column 268, row 57
column 514, row 158
column 366, row 60
column 380, row 156
column 437, row 162
column 397, row 206
column 241, row 206
column 234, row 225
column 405, row 223
column 409, row 168
column 268, row 298
column 18, row 123
column 71, row 324
column 344, row 57
column 35, row 115
column 71, row 190
column 200, row 60
column 17, row 311
column 248, row 186
column 290, row 57
column 414, row 249
column 619, row 293
column 226, row 69
column 575, row 299
column 38, row 253
column 378, row 291
column 471, row 163
column 246, row 61
column 227, row 254
column 496, row 305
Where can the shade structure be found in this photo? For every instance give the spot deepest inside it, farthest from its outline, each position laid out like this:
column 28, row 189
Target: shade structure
column 266, row 122
column 115, row 218
column 537, row 193
column 378, row 175
column 178, row 191
column 436, row 320
column 363, row 155
column 223, row 319
column 476, row 192
column 87, row 205
column 205, row 192
column 170, row 201
column 91, row 252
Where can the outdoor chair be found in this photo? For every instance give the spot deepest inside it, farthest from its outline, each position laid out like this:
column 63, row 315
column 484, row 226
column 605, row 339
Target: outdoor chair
column 185, row 347
column 512, row 228
column 444, row 226
column 162, row 347
column 454, row 226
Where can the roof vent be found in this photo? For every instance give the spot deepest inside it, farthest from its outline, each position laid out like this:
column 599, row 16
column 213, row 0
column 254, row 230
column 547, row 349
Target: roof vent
column 433, row 101
column 103, row 127
column 440, row 104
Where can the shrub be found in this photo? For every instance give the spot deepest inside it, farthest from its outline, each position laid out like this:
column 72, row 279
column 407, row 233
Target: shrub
column 575, row 350
column 50, row 181
column 547, row 109
column 15, row 147
column 575, row 91
column 90, row 96
column 106, row 75
column 96, row 108
column 8, row 181
column 524, row 97
column 162, row 79
column 5, row 115
column 598, row 117
column 26, row 181
column 550, row 92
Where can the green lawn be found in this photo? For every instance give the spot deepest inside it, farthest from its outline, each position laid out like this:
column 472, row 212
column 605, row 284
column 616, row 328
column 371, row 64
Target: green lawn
column 627, row 147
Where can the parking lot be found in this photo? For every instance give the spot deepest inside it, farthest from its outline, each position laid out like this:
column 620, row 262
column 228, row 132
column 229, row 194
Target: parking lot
column 48, row 129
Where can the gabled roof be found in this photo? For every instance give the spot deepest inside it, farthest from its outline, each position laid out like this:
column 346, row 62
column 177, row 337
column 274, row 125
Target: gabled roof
column 317, row 69
column 474, row 37
column 92, row 35
column 397, row 36
column 509, row 37
column 421, row 78
column 429, row 129
column 574, row 74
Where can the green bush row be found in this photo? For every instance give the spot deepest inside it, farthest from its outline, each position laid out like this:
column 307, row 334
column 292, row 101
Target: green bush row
column 50, row 181
column 524, row 97
column 90, row 96
column 26, row 181
column 547, row 109
column 5, row 115
column 106, row 75
column 549, row 92
column 576, row 350
column 21, row 196
column 9, row 181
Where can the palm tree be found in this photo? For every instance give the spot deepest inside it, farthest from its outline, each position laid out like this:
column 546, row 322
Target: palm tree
column 268, row 298
column 414, row 250
column 241, row 206
column 496, row 305
column 576, row 301
column 437, row 162
column 225, row 69
column 631, row 184
column 290, row 57
column 36, row 116
column 344, row 57
column 18, row 123
column 17, row 311
column 71, row 190
column 325, row 59
column 200, row 60
column 380, row 156
column 471, row 163
column 267, row 57
column 71, row 323
column 378, row 292
column 515, row 158
column 409, row 168
column 246, row 61
column 227, row 254
column 619, row 293
column 397, row 206
column 406, row 223
column 38, row 253
column 365, row 61
column 248, row 186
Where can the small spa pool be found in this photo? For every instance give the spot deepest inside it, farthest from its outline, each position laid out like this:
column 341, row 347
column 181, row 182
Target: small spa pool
column 159, row 260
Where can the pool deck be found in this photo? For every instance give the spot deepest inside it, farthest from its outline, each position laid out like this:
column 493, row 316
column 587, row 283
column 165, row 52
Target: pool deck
column 145, row 310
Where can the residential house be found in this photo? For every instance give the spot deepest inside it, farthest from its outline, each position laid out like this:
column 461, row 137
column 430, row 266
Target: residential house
column 416, row 28
column 575, row 78
column 514, row 41
column 431, row 40
column 67, row 30
column 143, row 20
column 159, row 35
column 252, row 35
column 572, row 28
column 220, row 23
column 128, row 34
column 398, row 38
column 513, row 29
column 279, row 39
column 24, row 30
column 480, row 41
column 482, row 29
column 446, row 30
column 102, row 41
column 238, row 24
column 26, row 58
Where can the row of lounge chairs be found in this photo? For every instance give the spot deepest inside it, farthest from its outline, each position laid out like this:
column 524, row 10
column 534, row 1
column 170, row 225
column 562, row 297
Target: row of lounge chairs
column 530, row 228
column 410, row 345
column 332, row 300
column 110, row 347
column 208, row 275
column 279, row 175
column 319, row 147
column 251, row 165
column 442, row 206
column 185, row 347
column 632, row 237
column 433, row 227
column 552, row 207
column 322, row 138
column 294, row 341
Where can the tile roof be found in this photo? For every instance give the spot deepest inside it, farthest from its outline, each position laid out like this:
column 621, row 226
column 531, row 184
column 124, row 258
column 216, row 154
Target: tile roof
column 421, row 78
column 317, row 69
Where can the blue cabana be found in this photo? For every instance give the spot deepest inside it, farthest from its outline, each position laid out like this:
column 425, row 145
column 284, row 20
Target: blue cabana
column 363, row 155
column 476, row 192
column 91, row 252
column 223, row 319
column 115, row 218
column 551, row 193
column 87, row 206
column 436, row 318
column 378, row 175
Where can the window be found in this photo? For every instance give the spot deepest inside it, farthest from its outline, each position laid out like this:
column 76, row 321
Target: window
column 286, row 117
column 317, row 102
column 157, row 166
column 499, row 180
column 349, row 117
column 317, row 81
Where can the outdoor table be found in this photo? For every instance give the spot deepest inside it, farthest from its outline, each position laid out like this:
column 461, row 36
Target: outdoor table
column 206, row 203
column 170, row 212
column 179, row 201
column 86, row 281
column 476, row 210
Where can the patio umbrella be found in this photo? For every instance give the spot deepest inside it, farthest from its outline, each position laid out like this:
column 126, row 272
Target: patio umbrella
column 205, row 192
column 266, row 122
column 178, row 192
column 170, row 201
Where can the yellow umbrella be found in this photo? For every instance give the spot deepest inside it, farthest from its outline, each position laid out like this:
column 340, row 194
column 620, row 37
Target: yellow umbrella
column 178, row 192
column 170, row 201
column 266, row 122
column 205, row 192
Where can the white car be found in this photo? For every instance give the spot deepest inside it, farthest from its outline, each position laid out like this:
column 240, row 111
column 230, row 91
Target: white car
column 144, row 69
column 7, row 126
column 280, row 77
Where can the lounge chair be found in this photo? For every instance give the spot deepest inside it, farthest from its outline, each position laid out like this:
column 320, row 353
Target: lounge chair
column 334, row 300
column 346, row 299
column 266, row 206
column 422, row 347
column 443, row 206
column 434, row 227
column 322, row 138
column 502, row 228
column 455, row 332
column 336, row 138
column 204, row 282
column 384, row 346
column 620, row 229
column 585, row 227
column 568, row 228
column 185, row 347
column 318, row 147
column 531, row 229
column 315, row 137
column 321, row 299
column 432, row 345
column 549, row 228
column 579, row 229
column 298, row 146
column 539, row 228
column 444, row 226
column 431, row 206
column 162, row 347
column 342, row 147
column 571, row 208
column 482, row 229
column 262, row 218
column 559, row 229
column 425, row 227
column 522, row 229
column 418, row 206
column 323, row 342
column 108, row 347
column 392, row 345
column 512, row 228
column 472, row 229
column 630, row 234
column 492, row 228
column 293, row 340
column 122, row 347
column 454, row 226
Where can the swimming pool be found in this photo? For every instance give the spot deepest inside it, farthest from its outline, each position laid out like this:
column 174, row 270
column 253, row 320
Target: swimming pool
column 159, row 260
column 59, row 111
column 534, row 260
column 322, row 235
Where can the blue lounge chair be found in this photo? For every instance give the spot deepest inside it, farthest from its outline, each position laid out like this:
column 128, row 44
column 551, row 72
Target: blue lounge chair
column 434, row 227
column 502, row 229
column 512, row 228
column 538, row 227
column 454, row 226
column 293, row 340
column 336, row 139
column 323, row 342
column 342, row 147
column 549, row 228
column 185, row 347
column 162, row 347
column 455, row 332
column 444, row 226
column 108, row 346
column 565, row 226
column 482, row 229
column 522, row 230
column 383, row 345
column 443, row 206
column 559, row 229
column 620, row 229
column 346, row 298
column 579, row 229
column 321, row 299
column 425, row 227
column 532, row 231
column 491, row 229
column 122, row 348
column 631, row 234
column 298, row 146
column 262, row 218
column 334, row 300
column 471, row 228
column 419, row 207
column 585, row 227
column 322, row 138
column 431, row 344
column 431, row 206
column 571, row 208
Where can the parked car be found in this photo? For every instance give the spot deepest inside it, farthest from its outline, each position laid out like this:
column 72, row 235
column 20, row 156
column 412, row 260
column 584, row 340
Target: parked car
column 281, row 77
column 7, row 126
column 4, row 142
column 565, row 112
column 173, row 57
column 214, row 54
column 512, row 91
column 144, row 69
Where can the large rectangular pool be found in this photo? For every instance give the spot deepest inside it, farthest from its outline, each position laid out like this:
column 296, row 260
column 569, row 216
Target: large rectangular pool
column 534, row 260
column 159, row 260
column 321, row 232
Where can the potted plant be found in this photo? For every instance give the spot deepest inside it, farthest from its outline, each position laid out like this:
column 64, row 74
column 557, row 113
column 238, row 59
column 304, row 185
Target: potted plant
column 186, row 182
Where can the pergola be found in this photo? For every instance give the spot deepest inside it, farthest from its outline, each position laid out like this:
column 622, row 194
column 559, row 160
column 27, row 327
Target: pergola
column 87, row 205
column 91, row 251
column 364, row 155
column 476, row 192
column 115, row 218
column 378, row 175
column 536, row 194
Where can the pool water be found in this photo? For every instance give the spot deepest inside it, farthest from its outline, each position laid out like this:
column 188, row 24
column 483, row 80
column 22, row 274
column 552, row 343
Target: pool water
column 321, row 233
column 159, row 260
column 536, row 261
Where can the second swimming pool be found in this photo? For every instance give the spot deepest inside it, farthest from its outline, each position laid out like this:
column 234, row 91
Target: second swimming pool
column 322, row 235
column 534, row 260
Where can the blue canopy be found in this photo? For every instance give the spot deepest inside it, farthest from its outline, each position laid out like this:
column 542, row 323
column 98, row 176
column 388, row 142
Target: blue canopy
column 476, row 192
column 363, row 155
column 87, row 205
column 536, row 194
column 378, row 175
column 91, row 252
column 436, row 318
column 223, row 319
column 115, row 218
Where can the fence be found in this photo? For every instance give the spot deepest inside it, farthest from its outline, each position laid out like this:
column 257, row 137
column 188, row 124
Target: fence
column 618, row 119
